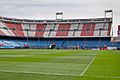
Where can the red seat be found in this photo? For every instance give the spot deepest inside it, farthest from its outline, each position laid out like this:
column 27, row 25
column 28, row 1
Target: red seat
column 2, row 33
column 16, row 29
column 40, row 30
column 88, row 30
column 63, row 30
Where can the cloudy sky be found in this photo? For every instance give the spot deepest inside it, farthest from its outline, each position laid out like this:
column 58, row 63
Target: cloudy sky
column 46, row 9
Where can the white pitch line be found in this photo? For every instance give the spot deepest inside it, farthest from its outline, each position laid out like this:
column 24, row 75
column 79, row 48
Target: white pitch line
column 57, row 74
column 44, row 73
column 87, row 66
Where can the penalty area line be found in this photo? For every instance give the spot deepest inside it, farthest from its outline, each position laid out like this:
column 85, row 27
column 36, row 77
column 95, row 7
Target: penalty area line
column 82, row 74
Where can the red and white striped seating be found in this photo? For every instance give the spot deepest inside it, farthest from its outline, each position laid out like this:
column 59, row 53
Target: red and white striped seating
column 21, row 29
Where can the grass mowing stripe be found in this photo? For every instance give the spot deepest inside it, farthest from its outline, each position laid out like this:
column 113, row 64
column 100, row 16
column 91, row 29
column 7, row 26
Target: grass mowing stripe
column 42, row 73
column 87, row 66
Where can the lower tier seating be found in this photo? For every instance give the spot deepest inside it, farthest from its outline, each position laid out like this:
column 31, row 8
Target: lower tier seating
column 84, row 43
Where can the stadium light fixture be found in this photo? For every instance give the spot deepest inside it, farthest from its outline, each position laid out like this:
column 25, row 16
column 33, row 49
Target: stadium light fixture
column 59, row 16
column 108, row 12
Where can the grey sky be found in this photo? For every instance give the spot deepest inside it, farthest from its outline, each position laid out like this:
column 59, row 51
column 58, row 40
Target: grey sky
column 46, row 9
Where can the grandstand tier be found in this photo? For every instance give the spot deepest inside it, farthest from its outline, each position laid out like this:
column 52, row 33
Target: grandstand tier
column 100, row 27
column 60, row 43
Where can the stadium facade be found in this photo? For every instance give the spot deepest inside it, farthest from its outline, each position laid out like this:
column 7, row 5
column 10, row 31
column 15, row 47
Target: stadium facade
column 61, row 34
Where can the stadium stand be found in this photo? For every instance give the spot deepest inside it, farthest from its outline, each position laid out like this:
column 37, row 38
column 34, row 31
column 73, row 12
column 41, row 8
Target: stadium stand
column 69, row 33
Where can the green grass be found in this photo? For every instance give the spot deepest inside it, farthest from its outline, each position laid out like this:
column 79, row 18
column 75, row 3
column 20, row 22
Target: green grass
column 59, row 65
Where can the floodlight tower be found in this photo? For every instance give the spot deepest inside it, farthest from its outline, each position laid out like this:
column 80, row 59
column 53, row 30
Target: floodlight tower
column 109, row 13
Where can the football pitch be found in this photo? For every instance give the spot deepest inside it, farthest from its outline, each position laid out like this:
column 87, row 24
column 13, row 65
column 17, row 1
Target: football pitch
column 33, row 64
